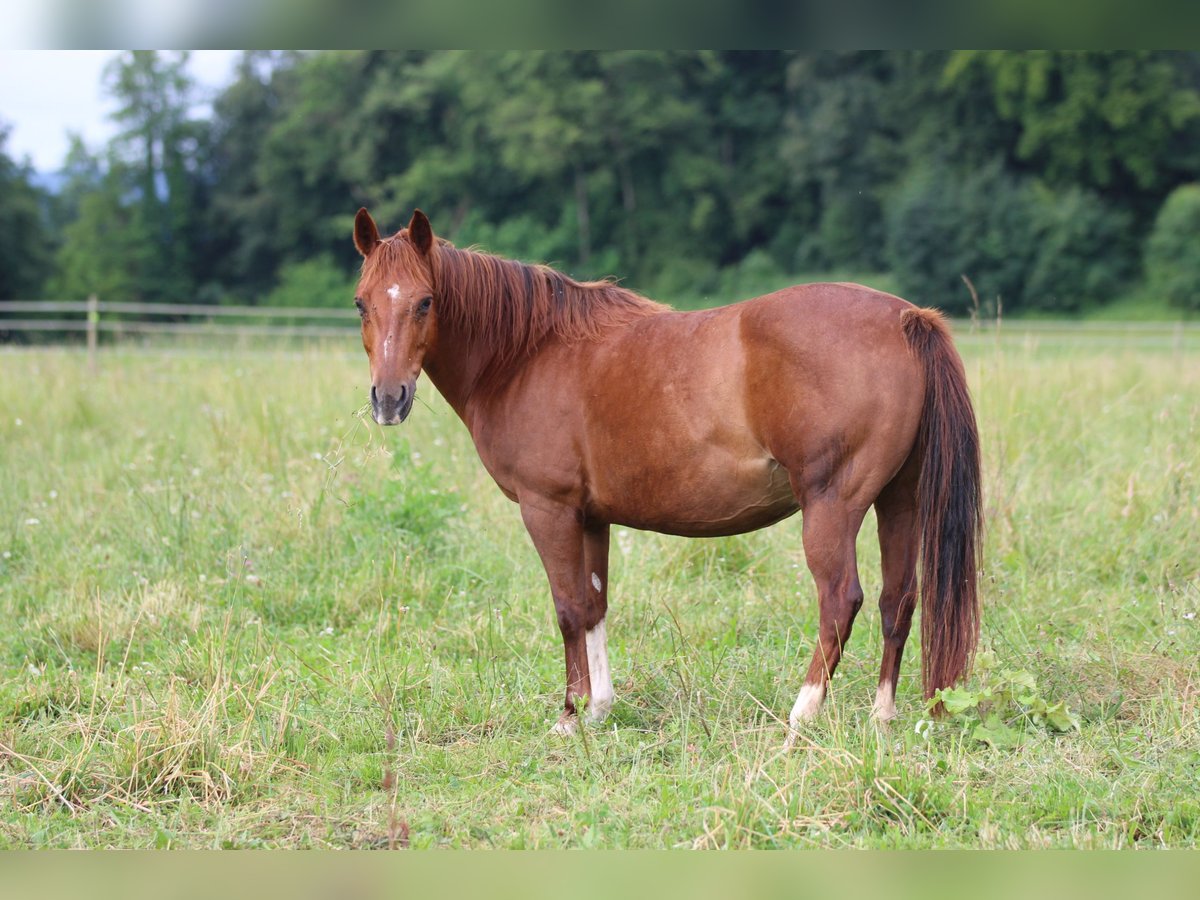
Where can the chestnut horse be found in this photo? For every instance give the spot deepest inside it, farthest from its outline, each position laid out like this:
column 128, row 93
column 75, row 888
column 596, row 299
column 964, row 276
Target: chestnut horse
column 590, row 406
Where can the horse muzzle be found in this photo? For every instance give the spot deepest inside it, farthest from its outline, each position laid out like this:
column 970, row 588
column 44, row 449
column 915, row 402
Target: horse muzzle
column 392, row 404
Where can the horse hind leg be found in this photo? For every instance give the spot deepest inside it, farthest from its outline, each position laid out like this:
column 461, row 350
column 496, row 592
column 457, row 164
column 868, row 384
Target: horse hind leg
column 830, row 528
column 899, row 541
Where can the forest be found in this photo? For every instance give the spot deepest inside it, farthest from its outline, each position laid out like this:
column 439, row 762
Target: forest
column 1055, row 182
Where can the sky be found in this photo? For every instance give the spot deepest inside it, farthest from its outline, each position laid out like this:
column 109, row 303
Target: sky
column 44, row 94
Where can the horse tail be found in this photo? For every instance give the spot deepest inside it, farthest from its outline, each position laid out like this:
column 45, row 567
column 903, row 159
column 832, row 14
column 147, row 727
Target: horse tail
column 949, row 505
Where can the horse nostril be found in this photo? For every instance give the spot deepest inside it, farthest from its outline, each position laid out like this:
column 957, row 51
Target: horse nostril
column 403, row 394
column 374, row 397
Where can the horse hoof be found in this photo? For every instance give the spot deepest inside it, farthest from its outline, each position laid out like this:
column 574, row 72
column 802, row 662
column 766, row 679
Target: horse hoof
column 883, row 717
column 567, row 725
column 598, row 709
column 883, row 710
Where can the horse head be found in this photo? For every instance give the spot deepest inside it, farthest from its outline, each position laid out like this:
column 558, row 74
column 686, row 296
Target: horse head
column 399, row 318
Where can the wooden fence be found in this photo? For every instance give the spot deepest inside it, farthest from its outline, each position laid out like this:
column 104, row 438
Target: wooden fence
column 94, row 317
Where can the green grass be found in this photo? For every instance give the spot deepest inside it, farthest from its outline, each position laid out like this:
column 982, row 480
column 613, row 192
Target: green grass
column 225, row 594
column 1140, row 306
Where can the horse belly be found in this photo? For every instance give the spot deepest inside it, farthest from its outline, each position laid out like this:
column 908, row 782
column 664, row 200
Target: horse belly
column 724, row 496
column 682, row 456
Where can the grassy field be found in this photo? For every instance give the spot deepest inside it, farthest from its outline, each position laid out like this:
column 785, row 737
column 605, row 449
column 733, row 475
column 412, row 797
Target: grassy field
column 236, row 614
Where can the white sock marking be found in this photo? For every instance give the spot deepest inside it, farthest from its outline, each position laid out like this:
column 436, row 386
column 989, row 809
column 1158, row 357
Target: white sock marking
column 808, row 704
column 885, row 702
column 601, row 700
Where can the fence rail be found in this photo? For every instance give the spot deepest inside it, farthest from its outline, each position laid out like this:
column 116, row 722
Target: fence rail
column 98, row 317
column 126, row 326
column 175, row 309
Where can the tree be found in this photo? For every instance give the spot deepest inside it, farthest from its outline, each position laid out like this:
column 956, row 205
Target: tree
column 841, row 153
column 944, row 224
column 301, row 166
column 109, row 248
column 1023, row 246
column 1123, row 122
column 1172, row 263
column 25, row 246
column 159, row 154
column 242, row 214
column 683, row 172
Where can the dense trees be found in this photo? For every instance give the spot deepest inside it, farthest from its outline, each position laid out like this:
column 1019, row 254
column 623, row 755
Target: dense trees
column 688, row 173
column 24, row 243
column 1172, row 263
column 138, row 229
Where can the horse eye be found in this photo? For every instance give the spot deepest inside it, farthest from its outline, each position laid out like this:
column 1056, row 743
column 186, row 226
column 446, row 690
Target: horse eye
column 362, row 310
column 423, row 306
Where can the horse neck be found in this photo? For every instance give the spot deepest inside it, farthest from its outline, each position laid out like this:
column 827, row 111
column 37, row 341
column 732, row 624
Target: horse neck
column 461, row 368
column 452, row 371
column 464, row 364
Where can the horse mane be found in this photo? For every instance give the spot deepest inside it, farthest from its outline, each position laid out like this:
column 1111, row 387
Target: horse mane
column 510, row 306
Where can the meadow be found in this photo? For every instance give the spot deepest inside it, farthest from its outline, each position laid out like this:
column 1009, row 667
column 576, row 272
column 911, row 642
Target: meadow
column 236, row 613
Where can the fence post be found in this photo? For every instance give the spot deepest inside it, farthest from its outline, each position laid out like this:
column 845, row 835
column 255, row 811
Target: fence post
column 93, row 321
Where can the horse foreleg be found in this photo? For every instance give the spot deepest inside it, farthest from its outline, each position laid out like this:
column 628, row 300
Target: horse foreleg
column 595, row 557
column 566, row 548
column 830, row 528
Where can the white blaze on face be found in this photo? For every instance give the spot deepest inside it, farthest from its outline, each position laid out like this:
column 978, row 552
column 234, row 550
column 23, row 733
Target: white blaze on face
column 601, row 700
column 394, row 291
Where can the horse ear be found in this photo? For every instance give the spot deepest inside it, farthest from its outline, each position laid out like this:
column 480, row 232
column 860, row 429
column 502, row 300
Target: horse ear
column 420, row 232
column 366, row 235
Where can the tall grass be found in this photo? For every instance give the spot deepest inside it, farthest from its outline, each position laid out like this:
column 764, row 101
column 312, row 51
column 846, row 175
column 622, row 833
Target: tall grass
column 236, row 613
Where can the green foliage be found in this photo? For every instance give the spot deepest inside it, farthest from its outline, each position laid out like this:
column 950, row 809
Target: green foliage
column 944, row 224
column 246, row 251
column 137, row 227
column 756, row 274
column 1004, row 706
column 300, row 168
column 1035, row 174
column 25, row 245
column 1023, row 246
column 157, row 155
column 1100, row 119
column 1086, row 252
column 839, row 142
column 1172, row 257
column 106, row 249
column 684, row 276
column 851, row 231
column 313, row 282
column 550, row 242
